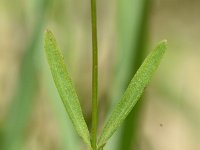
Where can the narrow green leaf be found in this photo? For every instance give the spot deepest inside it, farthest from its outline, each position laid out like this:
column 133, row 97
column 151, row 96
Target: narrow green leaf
column 65, row 87
column 133, row 92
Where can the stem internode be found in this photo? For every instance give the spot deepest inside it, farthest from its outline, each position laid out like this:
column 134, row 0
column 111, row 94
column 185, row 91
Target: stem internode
column 94, row 76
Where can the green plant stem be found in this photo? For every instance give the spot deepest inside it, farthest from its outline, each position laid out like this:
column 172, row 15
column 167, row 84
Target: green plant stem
column 94, row 75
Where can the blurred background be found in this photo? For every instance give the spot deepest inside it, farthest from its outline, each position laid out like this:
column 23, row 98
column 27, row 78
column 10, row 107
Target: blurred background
column 32, row 116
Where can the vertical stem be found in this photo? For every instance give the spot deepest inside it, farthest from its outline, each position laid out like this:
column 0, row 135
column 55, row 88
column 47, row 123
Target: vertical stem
column 94, row 75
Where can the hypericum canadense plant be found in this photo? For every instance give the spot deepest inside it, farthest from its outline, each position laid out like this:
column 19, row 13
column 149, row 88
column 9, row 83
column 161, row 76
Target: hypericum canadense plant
column 69, row 97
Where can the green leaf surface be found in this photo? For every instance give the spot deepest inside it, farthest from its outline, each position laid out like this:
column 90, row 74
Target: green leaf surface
column 65, row 87
column 133, row 92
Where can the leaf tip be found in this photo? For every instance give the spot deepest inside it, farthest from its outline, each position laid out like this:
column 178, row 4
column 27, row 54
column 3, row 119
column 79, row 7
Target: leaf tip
column 162, row 46
column 49, row 40
column 164, row 43
column 47, row 31
column 48, row 34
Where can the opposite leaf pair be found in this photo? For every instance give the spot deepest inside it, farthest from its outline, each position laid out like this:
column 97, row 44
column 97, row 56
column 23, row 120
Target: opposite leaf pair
column 122, row 109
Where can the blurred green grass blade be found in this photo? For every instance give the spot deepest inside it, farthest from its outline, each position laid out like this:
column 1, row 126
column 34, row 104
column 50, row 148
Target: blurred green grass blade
column 133, row 92
column 16, row 121
column 132, row 36
column 131, row 129
column 131, row 22
column 65, row 87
